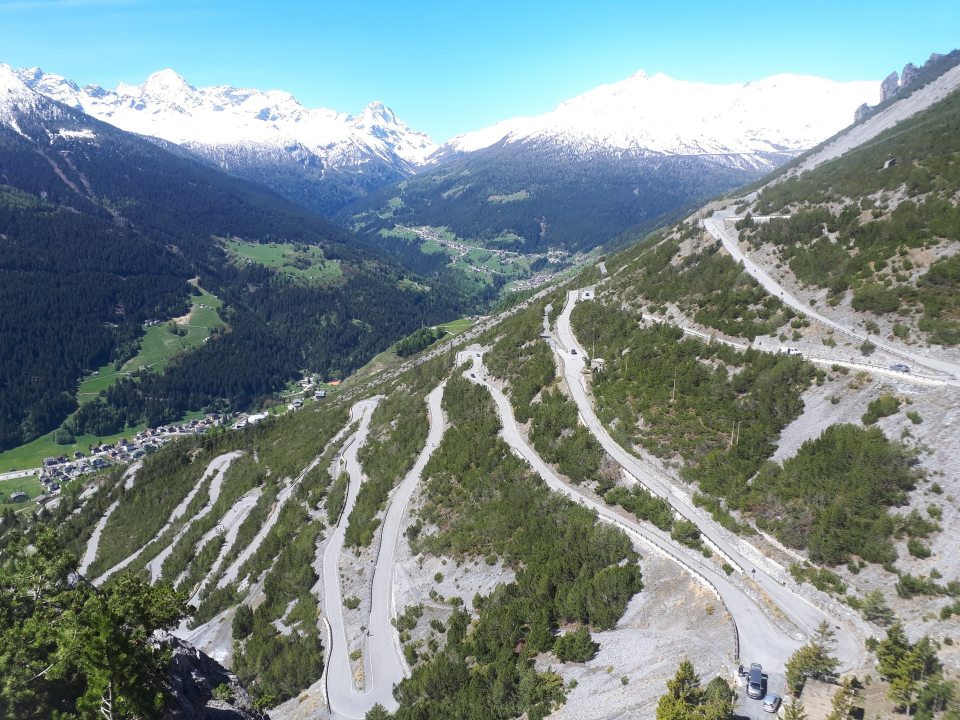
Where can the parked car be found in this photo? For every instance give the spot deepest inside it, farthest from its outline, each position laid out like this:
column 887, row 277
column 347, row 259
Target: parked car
column 900, row 367
column 755, row 681
column 771, row 703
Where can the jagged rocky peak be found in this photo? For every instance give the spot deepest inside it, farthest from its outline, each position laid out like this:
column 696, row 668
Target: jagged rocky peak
column 890, row 86
column 893, row 84
column 248, row 121
column 15, row 96
column 909, row 74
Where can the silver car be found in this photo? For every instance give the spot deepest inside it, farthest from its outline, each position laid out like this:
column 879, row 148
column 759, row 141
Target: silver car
column 771, row 703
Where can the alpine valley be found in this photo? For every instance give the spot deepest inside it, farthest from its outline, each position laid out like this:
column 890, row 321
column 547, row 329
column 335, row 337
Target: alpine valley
column 642, row 408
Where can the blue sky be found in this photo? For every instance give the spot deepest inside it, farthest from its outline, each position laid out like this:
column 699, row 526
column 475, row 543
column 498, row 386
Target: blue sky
column 451, row 67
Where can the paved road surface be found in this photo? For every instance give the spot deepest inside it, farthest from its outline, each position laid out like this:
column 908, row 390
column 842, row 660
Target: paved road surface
column 802, row 613
column 716, row 228
column 760, row 640
column 345, row 700
column 384, row 665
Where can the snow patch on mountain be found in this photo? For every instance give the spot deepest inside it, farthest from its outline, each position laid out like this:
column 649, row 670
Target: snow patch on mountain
column 659, row 115
column 166, row 106
column 15, row 98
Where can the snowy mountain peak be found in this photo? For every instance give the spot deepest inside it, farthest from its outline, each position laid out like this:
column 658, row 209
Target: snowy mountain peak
column 15, row 97
column 214, row 119
column 378, row 112
column 661, row 115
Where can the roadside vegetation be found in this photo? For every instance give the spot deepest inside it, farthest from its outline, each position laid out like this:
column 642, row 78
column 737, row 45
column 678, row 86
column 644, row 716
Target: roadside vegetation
column 685, row 699
column 484, row 501
column 73, row 651
column 859, row 226
column 398, row 432
column 704, row 284
column 720, row 412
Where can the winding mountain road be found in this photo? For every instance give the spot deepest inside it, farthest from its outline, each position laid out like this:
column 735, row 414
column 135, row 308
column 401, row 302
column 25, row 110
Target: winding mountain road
column 801, row 612
column 384, row 665
column 345, row 700
column 715, row 226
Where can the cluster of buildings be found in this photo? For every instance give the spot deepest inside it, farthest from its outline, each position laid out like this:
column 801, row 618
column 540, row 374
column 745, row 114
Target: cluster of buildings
column 58, row 470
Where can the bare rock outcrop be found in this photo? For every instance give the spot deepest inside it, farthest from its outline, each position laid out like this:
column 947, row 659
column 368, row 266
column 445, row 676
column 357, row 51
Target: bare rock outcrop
column 194, row 676
column 890, row 86
column 909, row 74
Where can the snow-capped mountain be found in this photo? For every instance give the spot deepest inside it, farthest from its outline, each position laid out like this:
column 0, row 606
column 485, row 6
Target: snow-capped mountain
column 15, row 98
column 618, row 156
column 781, row 114
column 268, row 136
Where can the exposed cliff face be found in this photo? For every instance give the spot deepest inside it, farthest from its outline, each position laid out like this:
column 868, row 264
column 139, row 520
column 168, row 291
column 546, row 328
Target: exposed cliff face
column 193, row 678
column 912, row 77
column 909, row 74
column 890, row 86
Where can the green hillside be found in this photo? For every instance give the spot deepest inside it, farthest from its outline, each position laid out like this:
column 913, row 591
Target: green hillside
column 528, row 199
column 878, row 227
column 101, row 237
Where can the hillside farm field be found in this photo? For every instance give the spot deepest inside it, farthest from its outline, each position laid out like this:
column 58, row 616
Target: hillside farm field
column 298, row 261
column 29, row 485
column 479, row 261
column 157, row 346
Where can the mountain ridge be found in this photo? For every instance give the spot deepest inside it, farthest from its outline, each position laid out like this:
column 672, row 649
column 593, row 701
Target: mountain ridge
column 319, row 158
column 682, row 119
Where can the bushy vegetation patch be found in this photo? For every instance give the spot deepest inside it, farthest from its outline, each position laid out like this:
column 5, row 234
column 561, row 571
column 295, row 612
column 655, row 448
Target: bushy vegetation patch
column 866, row 245
column 483, row 500
column 718, row 409
column 832, row 496
column 274, row 666
column 398, row 432
column 558, row 438
column 707, row 285
column 160, row 485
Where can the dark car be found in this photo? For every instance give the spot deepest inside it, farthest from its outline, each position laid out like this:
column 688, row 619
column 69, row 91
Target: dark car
column 755, row 682
column 573, row 352
column 900, row 367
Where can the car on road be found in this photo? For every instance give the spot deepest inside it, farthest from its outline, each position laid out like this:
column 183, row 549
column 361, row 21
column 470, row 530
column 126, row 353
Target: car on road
column 473, row 376
column 900, row 367
column 573, row 352
column 478, row 354
column 771, row 703
column 755, row 681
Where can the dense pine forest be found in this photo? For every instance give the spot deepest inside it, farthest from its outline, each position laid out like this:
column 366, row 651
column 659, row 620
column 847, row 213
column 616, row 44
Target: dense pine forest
column 549, row 202
column 101, row 232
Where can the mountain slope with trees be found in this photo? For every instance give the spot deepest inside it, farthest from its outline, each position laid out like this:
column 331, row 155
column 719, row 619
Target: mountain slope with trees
column 102, row 231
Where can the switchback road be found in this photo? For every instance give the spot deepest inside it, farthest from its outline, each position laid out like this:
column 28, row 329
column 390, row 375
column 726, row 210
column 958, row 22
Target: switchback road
column 715, row 226
column 748, row 615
